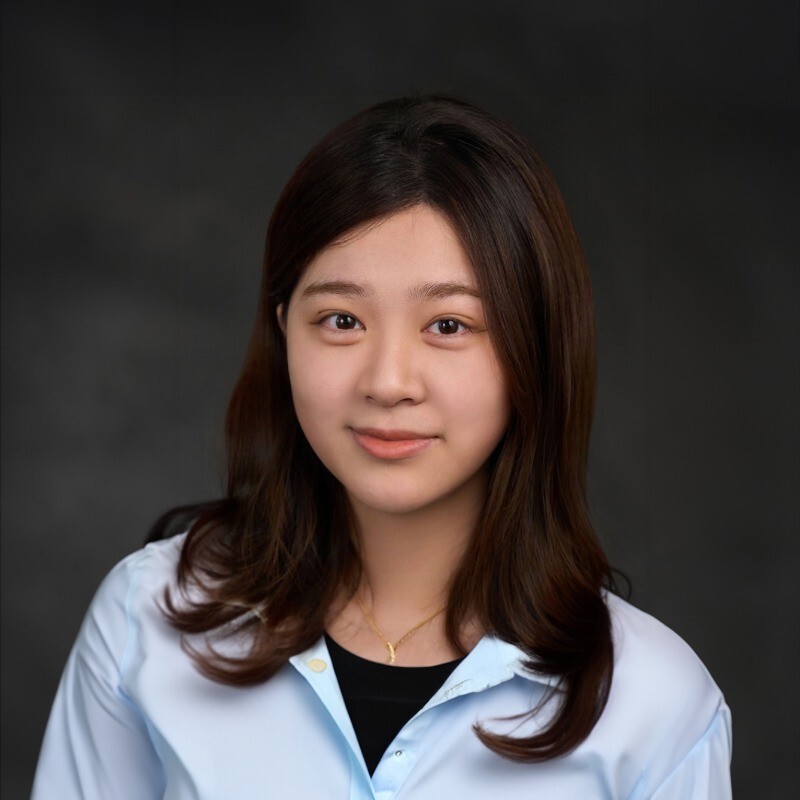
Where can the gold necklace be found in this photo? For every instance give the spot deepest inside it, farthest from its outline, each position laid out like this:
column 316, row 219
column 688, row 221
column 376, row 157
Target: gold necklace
column 392, row 648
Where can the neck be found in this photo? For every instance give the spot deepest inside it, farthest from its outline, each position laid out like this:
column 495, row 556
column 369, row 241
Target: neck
column 409, row 559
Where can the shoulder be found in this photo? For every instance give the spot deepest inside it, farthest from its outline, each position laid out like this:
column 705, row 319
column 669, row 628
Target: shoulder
column 661, row 692
column 648, row 654
column 129, row 592
column 152, row 567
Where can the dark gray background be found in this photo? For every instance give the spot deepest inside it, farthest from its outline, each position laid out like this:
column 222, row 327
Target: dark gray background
column 143, row 148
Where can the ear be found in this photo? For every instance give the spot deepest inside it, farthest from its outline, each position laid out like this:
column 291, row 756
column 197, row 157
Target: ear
column 279, row 313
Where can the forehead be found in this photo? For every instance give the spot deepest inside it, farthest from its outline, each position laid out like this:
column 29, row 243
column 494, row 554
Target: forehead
column 414, row 245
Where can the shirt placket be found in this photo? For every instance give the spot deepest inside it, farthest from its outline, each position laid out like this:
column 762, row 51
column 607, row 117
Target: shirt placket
column 315, row 666
column 486, row 666
column 405, row 750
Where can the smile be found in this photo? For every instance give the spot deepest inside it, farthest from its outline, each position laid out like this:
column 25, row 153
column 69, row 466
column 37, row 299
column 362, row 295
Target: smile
column 392, row 448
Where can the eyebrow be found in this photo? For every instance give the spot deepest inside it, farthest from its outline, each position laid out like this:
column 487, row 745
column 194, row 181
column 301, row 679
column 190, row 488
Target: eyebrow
column 419, row 291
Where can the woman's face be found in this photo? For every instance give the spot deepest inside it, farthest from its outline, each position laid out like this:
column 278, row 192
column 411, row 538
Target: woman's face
column 386, row 339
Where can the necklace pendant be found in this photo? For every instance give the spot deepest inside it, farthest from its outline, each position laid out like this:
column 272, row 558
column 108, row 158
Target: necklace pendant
column 391, row 652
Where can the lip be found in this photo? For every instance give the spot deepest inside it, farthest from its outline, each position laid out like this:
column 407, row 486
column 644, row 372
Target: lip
column 393, row 435
column 391, row 445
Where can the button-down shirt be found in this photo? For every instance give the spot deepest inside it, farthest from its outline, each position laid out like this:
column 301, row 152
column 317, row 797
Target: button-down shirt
column 133, row 719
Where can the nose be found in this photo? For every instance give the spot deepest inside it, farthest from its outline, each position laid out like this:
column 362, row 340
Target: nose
column 391, row 372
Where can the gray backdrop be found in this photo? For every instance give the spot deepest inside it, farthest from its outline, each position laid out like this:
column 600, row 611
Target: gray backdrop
column 143, row 148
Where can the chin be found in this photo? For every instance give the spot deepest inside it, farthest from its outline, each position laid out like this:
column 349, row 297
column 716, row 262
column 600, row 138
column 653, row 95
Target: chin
column 393, row 497
column 391, row 503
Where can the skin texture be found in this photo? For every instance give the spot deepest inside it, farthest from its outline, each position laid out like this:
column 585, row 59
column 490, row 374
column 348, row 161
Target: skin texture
column 389, row 361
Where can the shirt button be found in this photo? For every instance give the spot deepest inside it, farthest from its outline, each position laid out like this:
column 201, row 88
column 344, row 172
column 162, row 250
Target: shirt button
column 316, row 664
column 398, row 753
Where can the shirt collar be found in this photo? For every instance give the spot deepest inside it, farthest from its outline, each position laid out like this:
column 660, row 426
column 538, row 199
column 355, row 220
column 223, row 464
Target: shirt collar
column 493, row 661
column 490, row 662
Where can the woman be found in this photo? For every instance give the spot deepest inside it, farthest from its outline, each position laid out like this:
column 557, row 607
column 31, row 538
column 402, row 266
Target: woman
column 401, row 594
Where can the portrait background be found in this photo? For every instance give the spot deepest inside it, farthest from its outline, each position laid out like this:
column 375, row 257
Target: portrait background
column 144, row 145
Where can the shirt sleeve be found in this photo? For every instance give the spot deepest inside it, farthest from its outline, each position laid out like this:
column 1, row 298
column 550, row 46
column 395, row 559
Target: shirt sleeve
column 704, row 773
column 97, row 743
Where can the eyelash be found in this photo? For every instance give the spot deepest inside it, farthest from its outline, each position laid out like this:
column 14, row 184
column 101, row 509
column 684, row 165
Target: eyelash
column 467, row 329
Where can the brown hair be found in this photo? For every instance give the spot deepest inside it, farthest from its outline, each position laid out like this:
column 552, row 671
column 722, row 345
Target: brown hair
column 281, row 543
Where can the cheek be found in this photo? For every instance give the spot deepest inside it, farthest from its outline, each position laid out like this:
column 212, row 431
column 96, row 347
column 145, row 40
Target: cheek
column 475, row 397
column 482, row 382
column 489, row 414
column 319, row 387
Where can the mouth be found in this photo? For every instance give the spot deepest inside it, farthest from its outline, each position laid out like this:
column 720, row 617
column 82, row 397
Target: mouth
column 394, row 435
column 391, row 445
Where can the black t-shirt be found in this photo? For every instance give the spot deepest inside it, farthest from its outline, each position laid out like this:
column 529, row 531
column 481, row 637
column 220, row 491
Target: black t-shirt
column 381, row 698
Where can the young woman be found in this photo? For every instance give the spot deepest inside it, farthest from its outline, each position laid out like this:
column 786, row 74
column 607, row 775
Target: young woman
column 401, row 595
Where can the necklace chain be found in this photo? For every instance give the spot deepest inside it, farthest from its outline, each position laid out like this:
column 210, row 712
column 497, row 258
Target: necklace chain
column 392, row 648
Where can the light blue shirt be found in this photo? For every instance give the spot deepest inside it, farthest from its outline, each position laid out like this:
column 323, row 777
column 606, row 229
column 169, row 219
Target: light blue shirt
column 133, row 719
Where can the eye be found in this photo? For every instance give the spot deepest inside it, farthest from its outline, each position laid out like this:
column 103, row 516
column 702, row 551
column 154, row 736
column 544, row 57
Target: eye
column 341, row 322
column 449, row 327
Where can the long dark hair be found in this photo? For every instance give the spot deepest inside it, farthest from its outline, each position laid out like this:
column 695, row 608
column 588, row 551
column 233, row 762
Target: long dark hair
column 281, row 542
